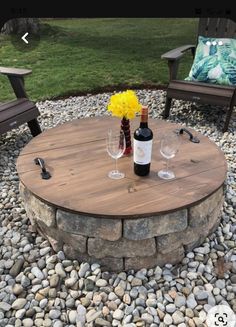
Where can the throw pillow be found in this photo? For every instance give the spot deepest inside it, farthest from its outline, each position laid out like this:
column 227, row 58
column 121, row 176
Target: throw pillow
column 215, row 61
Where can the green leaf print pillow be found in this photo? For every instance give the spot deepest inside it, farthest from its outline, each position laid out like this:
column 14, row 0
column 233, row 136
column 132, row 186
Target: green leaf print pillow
column 215, row 61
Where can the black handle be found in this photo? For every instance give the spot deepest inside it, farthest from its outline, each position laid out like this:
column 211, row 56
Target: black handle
column 44, row 173
column 192, row 138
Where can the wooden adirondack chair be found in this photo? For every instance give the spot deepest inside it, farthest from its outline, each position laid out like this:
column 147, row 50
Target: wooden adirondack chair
column 197, row 91
column 16, row 112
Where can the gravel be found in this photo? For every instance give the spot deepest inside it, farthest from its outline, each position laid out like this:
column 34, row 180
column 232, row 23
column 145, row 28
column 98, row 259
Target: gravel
column 41, row 288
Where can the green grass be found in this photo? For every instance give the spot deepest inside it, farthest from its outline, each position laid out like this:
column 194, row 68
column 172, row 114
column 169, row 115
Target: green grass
column 85, row 55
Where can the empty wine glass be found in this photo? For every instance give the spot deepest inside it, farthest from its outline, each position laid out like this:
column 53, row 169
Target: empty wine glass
column 169, row 147
column 115, row 149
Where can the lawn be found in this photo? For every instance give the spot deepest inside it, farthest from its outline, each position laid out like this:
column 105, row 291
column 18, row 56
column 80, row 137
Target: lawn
column 76, row 56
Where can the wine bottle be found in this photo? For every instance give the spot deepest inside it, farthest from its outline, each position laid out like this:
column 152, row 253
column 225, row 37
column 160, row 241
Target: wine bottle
column 143, row 145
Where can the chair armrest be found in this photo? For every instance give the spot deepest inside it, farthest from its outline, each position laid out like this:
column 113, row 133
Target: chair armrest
column 177, row 53
column 18, row 72
column 16, row 78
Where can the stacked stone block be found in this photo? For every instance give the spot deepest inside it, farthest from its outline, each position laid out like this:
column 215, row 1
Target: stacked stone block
column 120, row 243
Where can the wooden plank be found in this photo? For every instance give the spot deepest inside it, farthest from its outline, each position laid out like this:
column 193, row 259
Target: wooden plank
column 79, row 165
column 231, row 29
column 190, row 154
column 199, row 97
column 201, row 92
column 61, row 174
column 217, row 27
column 52, row 138
column 16, row 109
column 17, row 83
column 222, row 27
column 7, row 105
column 177, row 53
column 212, row 27
column 127, row 197
column 202, row 26
column 15, row 71
column 19, row 119
column 159, row 199
column 203, row 87
column 34, row 126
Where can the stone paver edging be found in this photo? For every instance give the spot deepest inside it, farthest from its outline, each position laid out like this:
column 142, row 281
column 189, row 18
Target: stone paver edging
column 123, row 244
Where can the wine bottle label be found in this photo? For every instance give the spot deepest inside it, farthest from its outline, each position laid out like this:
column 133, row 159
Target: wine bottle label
column 142, row 152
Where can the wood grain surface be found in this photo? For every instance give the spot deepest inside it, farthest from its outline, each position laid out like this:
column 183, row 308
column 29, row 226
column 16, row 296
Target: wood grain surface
column 75, row 154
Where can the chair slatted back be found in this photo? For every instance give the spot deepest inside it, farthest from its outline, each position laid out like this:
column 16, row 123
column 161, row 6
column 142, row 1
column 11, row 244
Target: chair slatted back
column 217, row 27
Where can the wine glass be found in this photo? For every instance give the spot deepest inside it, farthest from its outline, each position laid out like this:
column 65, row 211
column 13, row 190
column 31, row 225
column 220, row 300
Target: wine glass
column 115, row 149
column 169, row 147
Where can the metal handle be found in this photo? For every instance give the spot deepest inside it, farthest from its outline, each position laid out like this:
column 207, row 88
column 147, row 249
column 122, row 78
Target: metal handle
column 44, row 173
column 192, row 138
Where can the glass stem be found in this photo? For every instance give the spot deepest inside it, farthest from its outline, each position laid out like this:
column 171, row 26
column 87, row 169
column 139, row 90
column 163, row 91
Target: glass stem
column 116, row 164
column 167, row 164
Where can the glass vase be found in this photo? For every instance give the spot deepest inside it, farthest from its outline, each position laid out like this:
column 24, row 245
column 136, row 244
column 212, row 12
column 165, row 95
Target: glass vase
column 125, row 126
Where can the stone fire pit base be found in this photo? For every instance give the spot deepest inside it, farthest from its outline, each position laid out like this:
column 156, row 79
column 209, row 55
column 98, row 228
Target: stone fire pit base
column 122, row 244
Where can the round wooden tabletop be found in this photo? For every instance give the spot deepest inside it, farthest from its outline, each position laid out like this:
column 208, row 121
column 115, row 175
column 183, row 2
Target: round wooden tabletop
column 75, row 155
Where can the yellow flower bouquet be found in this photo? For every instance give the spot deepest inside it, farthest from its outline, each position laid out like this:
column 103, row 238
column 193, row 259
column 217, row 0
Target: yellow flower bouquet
column 125, row 105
